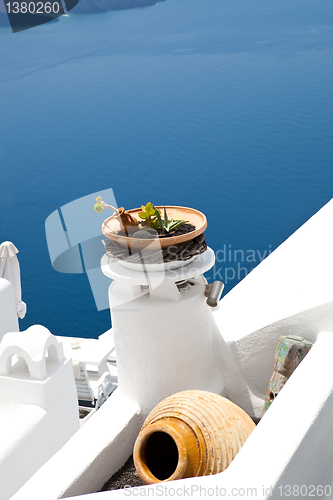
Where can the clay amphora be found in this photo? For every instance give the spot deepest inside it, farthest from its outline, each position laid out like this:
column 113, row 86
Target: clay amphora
column 192, row 433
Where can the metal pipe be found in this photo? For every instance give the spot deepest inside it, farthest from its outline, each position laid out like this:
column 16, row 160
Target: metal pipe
column 213, row 293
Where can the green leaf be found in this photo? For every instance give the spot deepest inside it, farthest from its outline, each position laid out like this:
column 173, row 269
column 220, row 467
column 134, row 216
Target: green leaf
column 153, row 219
column 175, row 223
column 166, row 222
column 158, row 217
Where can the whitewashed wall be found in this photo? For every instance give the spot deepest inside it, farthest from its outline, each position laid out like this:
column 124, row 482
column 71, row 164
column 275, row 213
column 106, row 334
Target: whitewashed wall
column 8, row 316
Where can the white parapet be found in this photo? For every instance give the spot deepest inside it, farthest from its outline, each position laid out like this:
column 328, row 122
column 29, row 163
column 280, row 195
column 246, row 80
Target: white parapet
column 38, row 404
column 289, row 293
column 91, row 456
column 8, row 315
column 10, row 270
column 296, row 277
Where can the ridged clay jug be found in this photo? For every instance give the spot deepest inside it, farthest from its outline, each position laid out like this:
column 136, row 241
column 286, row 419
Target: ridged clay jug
column 192, row 433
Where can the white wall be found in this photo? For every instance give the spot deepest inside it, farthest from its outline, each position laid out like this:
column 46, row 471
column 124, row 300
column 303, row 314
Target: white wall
column 296, row 277
column 289, row 293
column 8, row 316
column 38, row 404
column 91, row 456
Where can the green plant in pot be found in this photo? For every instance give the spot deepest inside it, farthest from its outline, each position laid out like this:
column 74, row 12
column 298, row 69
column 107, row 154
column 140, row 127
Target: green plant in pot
column 152, row 220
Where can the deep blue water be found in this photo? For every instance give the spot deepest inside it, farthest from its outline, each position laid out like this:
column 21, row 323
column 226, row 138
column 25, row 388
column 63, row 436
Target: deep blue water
column 222, row 105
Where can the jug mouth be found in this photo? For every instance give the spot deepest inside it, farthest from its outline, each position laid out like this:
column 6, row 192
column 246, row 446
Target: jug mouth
column 160, row 454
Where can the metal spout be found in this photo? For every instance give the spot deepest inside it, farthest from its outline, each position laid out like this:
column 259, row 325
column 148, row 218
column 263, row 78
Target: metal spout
column 213, row 293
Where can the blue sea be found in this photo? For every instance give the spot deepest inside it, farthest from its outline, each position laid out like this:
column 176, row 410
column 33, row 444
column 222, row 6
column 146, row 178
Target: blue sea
column 221, row 105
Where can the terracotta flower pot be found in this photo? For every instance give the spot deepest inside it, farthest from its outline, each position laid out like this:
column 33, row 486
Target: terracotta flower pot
column 112, row 226
column 192, row 433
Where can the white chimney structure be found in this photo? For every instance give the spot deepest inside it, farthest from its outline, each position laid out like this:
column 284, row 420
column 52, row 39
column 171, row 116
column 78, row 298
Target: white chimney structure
column 165, row 335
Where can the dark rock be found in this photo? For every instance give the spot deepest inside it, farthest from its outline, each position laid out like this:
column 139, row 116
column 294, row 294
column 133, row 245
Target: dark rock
column 147, row 235
column 183, row 229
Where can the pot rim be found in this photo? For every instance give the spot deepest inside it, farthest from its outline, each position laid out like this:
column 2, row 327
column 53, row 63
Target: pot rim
column 140, row 444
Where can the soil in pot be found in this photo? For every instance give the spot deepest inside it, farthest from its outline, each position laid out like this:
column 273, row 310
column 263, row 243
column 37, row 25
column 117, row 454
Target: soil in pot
column 144, row 234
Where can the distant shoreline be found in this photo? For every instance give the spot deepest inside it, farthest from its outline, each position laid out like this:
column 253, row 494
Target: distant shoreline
column 97, row 6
